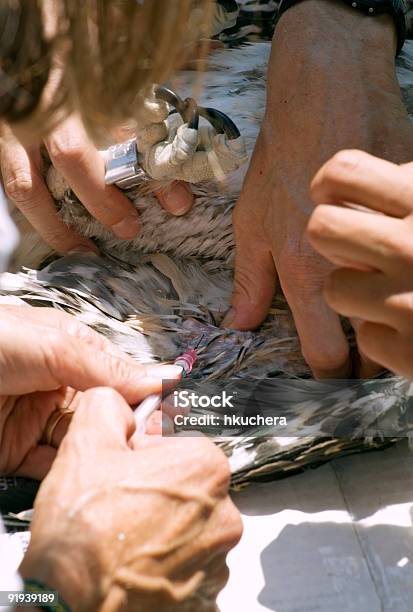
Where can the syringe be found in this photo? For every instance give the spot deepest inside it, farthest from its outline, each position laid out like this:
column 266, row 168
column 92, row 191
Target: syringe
column 150, row 404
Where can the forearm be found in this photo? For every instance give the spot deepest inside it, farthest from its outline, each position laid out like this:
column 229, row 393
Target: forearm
column 330, row 23
column 331, row 81
column 322, row 48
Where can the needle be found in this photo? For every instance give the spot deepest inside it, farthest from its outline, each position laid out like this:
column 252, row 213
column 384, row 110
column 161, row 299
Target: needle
column 199, row 342
column 150, row 404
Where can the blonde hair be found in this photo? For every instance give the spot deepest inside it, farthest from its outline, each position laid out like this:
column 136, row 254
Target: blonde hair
column 100, row 60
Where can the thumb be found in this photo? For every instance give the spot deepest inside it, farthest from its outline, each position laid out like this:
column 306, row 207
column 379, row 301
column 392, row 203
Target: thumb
column 80, row 367
column 102, row 418
column 254, row 285
column 177, row 198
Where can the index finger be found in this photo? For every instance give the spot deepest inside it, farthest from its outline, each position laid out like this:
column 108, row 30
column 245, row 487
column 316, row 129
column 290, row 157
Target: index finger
column 50, row 317
column 27, row 190
column 40, row 358
column 77, row 159
column 359, row 178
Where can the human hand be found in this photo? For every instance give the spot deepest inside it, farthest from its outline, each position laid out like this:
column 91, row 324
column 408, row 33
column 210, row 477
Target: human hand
column 324, row 94
column 373, row 252
column 47, row 359
column 132, row 522
column 81, row 165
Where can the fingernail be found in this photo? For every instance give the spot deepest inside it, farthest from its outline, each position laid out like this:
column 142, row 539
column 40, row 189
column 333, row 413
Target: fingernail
column 229, row 318
column 128, row 228
column 178, row 199
column 166, row 371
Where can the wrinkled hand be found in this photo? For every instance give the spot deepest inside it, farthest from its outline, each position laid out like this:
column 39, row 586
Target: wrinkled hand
column 124, row 522
column 324, row 95
column 374, row 252
column 81, row 165
column 47, row 359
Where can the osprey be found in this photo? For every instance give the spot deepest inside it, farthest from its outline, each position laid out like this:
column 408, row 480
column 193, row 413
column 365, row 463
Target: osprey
column 155, row 295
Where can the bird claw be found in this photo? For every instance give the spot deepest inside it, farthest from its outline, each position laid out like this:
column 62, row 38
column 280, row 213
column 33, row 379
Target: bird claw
column 182, row 150
column 170, row 145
